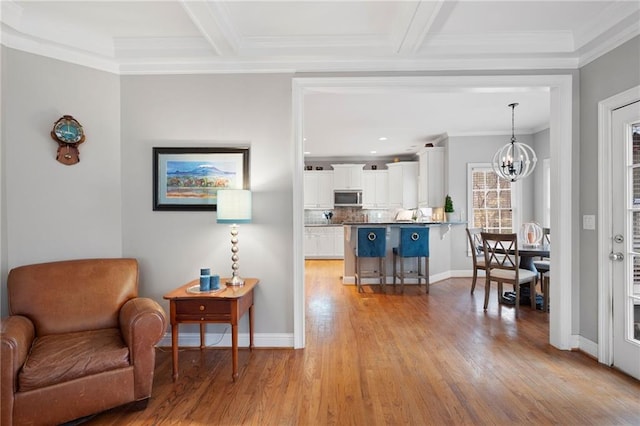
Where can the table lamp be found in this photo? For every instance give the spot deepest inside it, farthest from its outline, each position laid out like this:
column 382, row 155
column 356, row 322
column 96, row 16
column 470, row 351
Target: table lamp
column 234, row 207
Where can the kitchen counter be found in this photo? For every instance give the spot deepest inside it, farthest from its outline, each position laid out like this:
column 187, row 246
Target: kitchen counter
column 439, row 247
column 391, row 223
column 378, row 223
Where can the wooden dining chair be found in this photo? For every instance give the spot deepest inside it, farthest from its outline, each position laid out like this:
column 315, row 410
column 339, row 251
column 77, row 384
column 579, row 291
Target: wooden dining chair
column 475, row 241
column 501, row 252
column 546, row 279
column 543, row 266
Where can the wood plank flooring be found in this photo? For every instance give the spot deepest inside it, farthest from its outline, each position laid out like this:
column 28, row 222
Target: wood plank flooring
column 376, row 359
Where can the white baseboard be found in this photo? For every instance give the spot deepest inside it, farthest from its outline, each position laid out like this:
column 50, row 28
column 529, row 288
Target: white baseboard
column 351, row 280
column 585, row 345
column 223, row 340
column 465, row 273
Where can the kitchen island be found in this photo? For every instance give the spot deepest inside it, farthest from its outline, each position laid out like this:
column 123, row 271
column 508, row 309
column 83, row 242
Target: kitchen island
column 439, row 248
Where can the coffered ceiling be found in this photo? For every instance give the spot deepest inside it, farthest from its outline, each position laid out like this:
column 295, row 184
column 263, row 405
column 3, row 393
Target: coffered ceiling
column 133, row 37
column 178, row 36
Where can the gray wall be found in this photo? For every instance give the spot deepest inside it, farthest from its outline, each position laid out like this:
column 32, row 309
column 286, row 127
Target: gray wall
column 542, row 147
column 102, row 206
column 212, row 110
column 476, row 149
column 52, row 211
column 608, row 75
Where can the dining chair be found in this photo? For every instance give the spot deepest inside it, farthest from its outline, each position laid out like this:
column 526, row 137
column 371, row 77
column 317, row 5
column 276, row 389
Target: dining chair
column 475, row 241
column 546, row 279
column 543, row 266
column 501, row 252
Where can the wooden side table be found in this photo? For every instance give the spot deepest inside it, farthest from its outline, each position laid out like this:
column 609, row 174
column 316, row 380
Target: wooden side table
column 226, row 306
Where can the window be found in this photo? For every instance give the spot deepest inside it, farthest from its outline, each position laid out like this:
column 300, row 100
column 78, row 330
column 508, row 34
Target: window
column 490, row 200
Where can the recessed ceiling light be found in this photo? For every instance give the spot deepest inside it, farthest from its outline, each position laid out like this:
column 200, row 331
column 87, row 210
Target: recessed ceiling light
column 374, row 152
column 307, row 152
column 382, row 138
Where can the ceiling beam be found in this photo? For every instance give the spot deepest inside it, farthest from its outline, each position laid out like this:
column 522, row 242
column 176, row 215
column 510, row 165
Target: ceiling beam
column 425, row 14
column 214, row 25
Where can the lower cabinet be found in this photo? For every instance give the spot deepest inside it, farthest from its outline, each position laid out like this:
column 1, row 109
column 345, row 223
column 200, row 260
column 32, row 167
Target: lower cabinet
column 323, row 242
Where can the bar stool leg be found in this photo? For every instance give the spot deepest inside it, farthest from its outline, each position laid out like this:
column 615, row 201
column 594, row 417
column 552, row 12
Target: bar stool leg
column 395, row 273
column 358, row 275
column 381, row 271
column 401, row 275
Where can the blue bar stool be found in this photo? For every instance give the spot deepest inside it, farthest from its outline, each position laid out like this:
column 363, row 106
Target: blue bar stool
column 371, row 243
column 414, row 243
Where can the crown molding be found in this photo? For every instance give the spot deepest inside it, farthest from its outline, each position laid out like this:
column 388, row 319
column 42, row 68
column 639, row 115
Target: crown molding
column 164, row 47
column 610, row 18
column 332, row 64
column 189, row 56
column 222, row 50
column 529, row 42
column 625, row 32
column 57, row 51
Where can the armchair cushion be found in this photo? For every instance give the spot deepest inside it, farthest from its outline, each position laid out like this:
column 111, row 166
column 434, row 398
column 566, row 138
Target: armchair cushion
column 59, row 358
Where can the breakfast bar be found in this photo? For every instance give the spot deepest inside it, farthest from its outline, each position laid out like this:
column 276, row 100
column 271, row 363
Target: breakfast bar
column 438, row 244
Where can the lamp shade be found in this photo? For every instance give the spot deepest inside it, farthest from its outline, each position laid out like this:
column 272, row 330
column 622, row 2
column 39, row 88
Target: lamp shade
column 234, row 206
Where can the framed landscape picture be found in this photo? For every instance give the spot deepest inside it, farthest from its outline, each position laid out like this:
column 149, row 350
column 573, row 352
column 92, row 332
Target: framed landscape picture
column 189, row 178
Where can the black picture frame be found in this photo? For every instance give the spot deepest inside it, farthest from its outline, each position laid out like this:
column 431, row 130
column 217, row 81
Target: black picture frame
column 187, row 179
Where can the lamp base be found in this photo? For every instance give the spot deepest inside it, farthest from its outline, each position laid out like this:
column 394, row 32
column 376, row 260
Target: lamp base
column 235, row 280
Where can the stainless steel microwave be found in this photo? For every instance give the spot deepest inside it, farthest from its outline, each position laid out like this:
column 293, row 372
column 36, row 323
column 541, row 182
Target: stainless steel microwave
column 347, row 198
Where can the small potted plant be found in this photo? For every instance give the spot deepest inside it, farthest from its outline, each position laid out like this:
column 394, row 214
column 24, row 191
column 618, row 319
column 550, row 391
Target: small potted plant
column 448, row 208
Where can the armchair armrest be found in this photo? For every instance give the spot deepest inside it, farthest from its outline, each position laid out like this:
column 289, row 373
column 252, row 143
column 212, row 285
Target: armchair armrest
column 143, row 322
column 17, row 334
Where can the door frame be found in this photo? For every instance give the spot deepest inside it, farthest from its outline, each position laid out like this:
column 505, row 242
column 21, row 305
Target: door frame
column 560, row 88
column 605, row 217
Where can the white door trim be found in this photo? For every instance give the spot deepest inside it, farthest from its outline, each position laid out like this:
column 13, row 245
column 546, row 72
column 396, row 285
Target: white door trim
column 562, row 196
column 605, row 293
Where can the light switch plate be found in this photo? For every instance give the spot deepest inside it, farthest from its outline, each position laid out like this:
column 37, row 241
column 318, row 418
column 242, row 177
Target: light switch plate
column 589, row 221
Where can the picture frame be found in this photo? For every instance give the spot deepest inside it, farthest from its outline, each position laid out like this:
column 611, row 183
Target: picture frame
column 188, row 179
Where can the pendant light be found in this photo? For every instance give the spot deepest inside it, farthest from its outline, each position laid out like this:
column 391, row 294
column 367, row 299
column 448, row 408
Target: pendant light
column 515, row 160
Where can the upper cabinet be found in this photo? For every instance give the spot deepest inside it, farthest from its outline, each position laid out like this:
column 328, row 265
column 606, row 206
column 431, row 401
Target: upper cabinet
column 431, row 186
column 375, row 188
column 347, row 176
column 318, row 189
column 403, row 184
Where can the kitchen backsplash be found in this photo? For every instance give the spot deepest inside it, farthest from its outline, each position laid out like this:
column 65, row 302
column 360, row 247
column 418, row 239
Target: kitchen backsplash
column 348, row 214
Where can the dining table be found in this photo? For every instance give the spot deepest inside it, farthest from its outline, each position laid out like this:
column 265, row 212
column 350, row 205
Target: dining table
column 527, row 253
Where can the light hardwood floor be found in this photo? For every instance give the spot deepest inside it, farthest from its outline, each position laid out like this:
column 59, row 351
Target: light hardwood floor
column 376, row 359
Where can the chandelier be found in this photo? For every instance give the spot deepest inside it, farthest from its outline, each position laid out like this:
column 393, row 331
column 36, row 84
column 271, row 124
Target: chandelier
column 515, row 160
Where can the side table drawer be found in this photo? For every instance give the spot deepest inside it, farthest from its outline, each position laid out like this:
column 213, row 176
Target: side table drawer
column 203, row 310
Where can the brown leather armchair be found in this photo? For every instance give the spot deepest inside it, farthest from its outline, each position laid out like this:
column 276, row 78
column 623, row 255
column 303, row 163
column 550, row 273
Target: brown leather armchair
column 78, row 340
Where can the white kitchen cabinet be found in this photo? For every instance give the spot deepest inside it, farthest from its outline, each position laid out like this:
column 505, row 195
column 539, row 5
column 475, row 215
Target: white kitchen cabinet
column 347, row 176
column 403, row 184
column 318, row 189
column 431, row 181
column 325, row 239
column 310, row 244
column 338, row 240
column 323, row 242
column 375, row 189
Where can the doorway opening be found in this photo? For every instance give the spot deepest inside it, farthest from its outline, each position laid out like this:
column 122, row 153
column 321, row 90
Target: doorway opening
column 562, row 198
